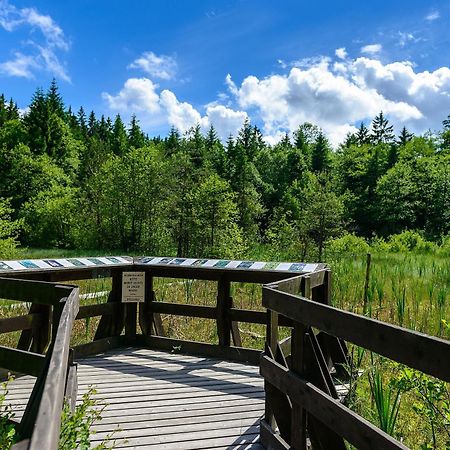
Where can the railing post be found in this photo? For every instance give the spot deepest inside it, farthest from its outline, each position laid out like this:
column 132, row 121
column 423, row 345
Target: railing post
column 298, row 342
column 271, row 342
column 149, row 321
column 113, row 325
column 223, row 312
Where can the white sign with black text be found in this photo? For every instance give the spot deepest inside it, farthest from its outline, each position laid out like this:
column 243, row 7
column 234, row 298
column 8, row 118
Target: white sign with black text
column 133, row 287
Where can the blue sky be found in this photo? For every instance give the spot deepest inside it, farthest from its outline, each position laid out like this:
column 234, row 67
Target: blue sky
column 333, row 63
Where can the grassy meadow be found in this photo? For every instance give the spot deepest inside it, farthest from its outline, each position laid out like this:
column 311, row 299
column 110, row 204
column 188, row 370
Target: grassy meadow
column 409, row 289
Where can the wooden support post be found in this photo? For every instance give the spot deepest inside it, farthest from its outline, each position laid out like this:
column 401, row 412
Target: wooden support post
column 130, row 320
column 112, row 325
column 298, row 418
column 223, row 312
column 271, row 343
column 42, row 334
column 71, row 390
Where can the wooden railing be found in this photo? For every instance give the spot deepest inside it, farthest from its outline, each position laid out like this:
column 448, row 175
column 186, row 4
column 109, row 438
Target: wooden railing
column 119, row 322
column 43, row 352
column 301, row 401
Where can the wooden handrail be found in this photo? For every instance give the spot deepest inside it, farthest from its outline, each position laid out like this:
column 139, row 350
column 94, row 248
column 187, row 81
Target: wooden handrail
column 417, row 350
column 48, row 421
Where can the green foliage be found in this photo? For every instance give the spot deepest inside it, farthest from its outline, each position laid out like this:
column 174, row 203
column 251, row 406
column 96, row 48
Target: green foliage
column 9, row 230
column 431, row 403
column 78, row 180
column 76, row 427
column 8, row 434
column 387, row 401
column 409, row 241
column 349, row 243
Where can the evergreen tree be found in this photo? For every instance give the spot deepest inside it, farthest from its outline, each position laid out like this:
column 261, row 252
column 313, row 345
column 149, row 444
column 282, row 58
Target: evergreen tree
column 173, row 141
column 136, row 137
column 211, row 138
column 54, row 100
column 82, row 126
column 36, row 122
column 3, row 113
column 321, row 154
column 119, row 142
column 12, row 111
column 92, row 125
column 404, row 136
column 362, row 135
column 382, row 131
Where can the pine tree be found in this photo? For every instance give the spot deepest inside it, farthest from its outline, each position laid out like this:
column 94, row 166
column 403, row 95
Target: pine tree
column 211, row 138
column 119, row 143
column 92, row 125
column 405, row 136
column 362, row 135
column 320, row 157
column 173, row 141
column 382, row 132
column 350, row 139
column 3, row 112
column 82, row 126
column 12, row 111
column 136, row 137
column 54, row 100
column 36, row 122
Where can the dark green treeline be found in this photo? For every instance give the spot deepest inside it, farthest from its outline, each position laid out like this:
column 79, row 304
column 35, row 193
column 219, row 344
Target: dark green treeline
column 71, row 179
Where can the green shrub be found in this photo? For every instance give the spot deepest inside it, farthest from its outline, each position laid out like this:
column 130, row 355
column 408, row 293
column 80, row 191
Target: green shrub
column 8, row 434
column 409, row 241
column 349, row 244
column 76, row 426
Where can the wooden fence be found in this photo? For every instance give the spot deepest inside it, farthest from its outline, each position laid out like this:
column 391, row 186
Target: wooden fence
column 301, row 401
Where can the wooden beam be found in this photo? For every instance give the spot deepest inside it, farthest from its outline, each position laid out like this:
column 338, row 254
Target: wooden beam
column 183, row 309
column 21, row 361
column 419, row 351
column 24, row 322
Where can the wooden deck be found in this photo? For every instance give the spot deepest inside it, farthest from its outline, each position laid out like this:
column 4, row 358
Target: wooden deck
column 168, row 401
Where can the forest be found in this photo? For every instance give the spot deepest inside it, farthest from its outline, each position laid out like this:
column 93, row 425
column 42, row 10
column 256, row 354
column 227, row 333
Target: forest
column 73, row 180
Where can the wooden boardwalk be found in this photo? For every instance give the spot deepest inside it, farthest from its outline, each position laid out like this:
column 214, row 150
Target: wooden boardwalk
column 168, row 401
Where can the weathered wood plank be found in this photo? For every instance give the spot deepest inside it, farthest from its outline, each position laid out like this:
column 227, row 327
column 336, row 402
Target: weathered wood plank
column 24, row 322
column 232, row 353
column 21, row 361
column 101, row 309
column 40, row 292
column 98, row 346
column 182, row 309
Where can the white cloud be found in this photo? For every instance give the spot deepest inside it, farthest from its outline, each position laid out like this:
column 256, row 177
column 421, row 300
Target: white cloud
column 162, row 66
column 338, row 97
column 20, row 66
column 335, row 95
column 44, row 57
column 341, row 53
column 137, row 95
column 140, row 96
column 371, row 49
column 181, row 115
column 226, row 121
column 433, row 15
